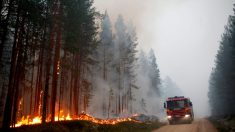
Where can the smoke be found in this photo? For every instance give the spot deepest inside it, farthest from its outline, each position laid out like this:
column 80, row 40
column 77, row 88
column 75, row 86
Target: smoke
column 185, row 35
column 100, row 98
column 123, row 84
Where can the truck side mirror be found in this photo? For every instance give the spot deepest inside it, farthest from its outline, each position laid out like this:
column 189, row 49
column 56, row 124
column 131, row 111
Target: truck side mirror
column 190, row 104
column 165, row 105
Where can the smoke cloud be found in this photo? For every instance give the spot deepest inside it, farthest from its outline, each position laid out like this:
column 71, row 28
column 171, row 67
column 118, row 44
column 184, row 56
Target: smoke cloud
column 185, row 35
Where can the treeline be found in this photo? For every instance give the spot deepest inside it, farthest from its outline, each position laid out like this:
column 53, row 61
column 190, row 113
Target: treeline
column 222, row 80
column 62, row 56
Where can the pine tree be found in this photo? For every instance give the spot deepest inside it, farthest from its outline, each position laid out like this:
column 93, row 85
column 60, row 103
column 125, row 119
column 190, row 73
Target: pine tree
column 106, row 42
column 125, row 44
column 121, row 47
column 154, row 73
column 222, row 79
column 170, row 89
column 80, row 42
column 148, row 79
column 131, row 66
column 105, row 54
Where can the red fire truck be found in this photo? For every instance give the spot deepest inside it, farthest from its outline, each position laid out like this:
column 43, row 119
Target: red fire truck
column 179, row 109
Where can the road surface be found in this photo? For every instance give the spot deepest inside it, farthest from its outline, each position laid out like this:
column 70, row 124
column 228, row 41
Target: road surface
column 200, row 125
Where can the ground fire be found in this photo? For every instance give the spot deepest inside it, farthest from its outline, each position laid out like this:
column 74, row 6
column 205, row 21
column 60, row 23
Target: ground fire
column 83, row 116
column 179, row 108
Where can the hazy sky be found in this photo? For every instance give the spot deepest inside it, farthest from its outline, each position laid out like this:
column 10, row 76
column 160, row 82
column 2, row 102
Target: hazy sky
column 185, row 35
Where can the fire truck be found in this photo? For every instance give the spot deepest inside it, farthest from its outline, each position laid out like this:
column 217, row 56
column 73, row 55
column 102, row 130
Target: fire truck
column 179, row 109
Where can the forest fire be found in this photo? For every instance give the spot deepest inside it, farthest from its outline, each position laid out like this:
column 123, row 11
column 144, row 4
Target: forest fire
column 48, row 64
column 83, row 116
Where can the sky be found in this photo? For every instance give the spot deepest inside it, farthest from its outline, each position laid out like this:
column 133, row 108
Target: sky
column 185, row 35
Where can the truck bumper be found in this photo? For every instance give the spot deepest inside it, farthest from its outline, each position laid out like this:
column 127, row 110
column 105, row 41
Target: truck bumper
column 180, row 119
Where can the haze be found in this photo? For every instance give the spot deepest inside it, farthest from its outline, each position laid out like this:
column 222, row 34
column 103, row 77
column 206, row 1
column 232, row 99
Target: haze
column 185, row 35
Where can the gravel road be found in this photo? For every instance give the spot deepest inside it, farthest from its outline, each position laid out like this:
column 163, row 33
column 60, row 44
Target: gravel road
column 200, row 125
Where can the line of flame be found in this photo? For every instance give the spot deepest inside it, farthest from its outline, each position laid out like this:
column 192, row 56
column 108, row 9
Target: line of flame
column 83, row 116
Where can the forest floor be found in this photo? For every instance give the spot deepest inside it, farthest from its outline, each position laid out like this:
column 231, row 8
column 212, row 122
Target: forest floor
column 87, row 126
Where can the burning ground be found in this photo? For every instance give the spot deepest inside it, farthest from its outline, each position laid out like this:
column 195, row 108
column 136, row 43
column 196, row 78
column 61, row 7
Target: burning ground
column 83, row 116
column 86, row 123
column 88, row 126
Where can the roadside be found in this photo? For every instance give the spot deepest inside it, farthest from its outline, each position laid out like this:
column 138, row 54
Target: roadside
column 224, row 124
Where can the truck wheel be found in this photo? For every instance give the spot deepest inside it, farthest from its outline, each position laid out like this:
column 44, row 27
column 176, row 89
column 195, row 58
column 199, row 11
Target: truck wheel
column 190, row 121
column 171, row 122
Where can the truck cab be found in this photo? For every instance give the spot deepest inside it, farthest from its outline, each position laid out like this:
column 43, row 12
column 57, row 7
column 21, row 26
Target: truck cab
column 179, row 109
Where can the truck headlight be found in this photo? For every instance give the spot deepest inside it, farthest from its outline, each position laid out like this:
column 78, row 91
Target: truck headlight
column 186, row 116
column 169, row 117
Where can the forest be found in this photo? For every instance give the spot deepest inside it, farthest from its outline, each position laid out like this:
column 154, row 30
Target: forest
column 61, row 58
column 222, row 80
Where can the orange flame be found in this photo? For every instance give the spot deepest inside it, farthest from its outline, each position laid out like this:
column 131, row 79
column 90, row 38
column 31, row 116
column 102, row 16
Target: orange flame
column 82, row 116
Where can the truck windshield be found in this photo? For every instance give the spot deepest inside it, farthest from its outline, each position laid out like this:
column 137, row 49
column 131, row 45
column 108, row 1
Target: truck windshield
column 176, row 104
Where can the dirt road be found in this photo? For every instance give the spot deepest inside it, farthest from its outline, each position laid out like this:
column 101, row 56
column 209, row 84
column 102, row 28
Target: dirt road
column 200, row 125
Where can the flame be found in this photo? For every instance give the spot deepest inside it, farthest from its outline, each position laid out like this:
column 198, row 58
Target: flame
column 82, row 116
column 36, row 120
column 88, row 117
column 28, row 121
column 68, row 117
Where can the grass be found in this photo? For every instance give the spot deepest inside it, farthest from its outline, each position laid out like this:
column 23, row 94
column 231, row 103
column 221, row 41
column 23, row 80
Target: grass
column 130, row 127
column 87, row 126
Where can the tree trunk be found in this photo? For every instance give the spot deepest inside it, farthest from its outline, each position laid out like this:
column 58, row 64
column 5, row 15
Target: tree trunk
column 19, row 70
column 62, row 84
column 9, row 100
column 48, row 70
column 31, row 90
column 71, row 87
column 55, row 73
column 76, row 85
column 38, row 87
